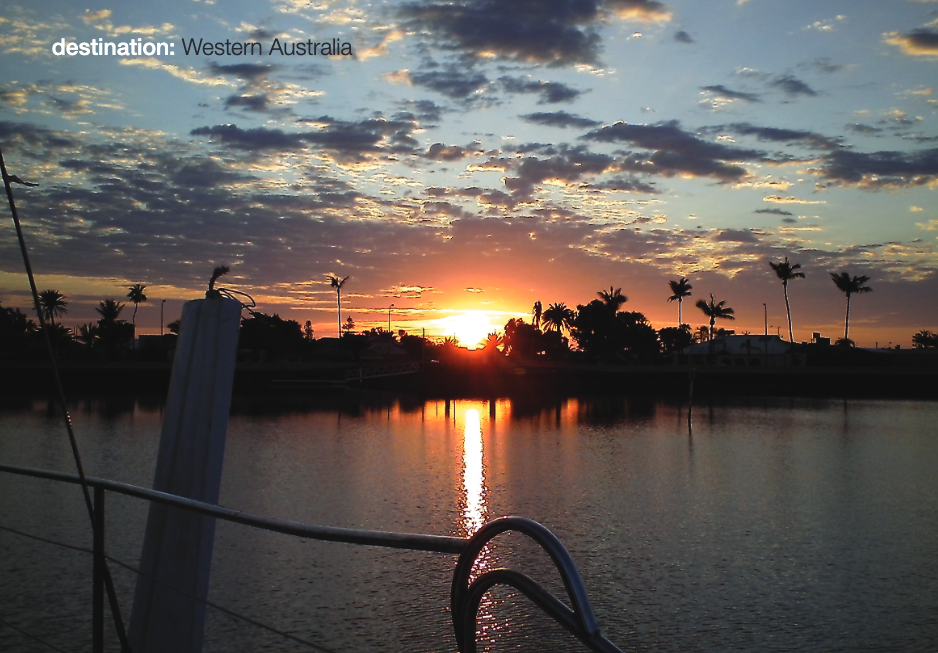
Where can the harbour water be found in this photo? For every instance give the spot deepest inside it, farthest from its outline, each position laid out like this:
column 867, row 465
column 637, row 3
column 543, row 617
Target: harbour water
column 770, row 525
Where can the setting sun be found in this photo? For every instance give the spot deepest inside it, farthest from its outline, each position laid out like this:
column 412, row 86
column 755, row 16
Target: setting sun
column 471, row 327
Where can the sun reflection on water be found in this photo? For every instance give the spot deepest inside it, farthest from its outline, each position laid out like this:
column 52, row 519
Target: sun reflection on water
column 473, row 478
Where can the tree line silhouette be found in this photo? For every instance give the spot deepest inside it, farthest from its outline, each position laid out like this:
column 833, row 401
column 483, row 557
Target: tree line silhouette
column 601, row 329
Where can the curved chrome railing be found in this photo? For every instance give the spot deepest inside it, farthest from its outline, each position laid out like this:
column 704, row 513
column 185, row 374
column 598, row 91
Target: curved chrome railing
column 465, row 596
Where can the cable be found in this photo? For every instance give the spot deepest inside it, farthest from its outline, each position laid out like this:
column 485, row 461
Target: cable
column 210, row 604
column 32, row 637
column 73, row 442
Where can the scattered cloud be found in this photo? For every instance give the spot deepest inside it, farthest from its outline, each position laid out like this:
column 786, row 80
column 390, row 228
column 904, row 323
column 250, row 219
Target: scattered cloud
column 779, row 199
column 554, row 32
column 683, row 37
column 792, row 86
column 559, row 119
column 918, row 42
column 828, row 25
column 550, row 92
column 190, row 75
column 721, row 91
column 875, row 170
column 453, row 83
column 677, row 152
column 774, row 211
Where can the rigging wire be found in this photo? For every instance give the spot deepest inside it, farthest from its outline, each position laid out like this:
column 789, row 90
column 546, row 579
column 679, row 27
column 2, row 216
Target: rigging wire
column 135, row 570
column 73, row 442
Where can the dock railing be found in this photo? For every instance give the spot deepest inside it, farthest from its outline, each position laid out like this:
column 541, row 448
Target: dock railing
column 465, row 594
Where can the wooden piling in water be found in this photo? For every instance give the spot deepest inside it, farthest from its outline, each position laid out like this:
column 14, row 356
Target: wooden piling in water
column 169, row 613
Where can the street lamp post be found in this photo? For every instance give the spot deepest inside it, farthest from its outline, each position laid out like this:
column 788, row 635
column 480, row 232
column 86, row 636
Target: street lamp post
column 389, row 317
column 765, row 312
column 161, row 317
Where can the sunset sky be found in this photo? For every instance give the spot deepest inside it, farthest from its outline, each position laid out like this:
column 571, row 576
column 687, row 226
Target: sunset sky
column 480, row 155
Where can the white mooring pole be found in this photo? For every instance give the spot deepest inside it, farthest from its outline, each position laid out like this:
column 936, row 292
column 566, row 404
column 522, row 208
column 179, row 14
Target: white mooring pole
column 177, row 547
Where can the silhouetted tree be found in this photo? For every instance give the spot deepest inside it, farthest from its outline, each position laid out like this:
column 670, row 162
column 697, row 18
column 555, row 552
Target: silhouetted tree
column 558, row 317
column 491, row 344
column 679, row 290
column 53, row 305
column 136, row 295
column 349, row 325
column 675, row 338
column 113, row 332
column 613, row 299
column 17, row 332
column 308, row 331
column 849, row 286
column 521, row 339
column 715, row 311
column 786, row 271
column 87, row 334
column 271, row 334
column 925, row 340
column 536, row 314
column 606, row 335
column 337, row 283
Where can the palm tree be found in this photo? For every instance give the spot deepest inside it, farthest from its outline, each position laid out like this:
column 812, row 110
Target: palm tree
column 558, row 316
column 849, row 286
column 109, row 310
column 787, row 271
column 336, row 283
column 492, row 342
column 715, row 311
column 53, row 305
column 536, row 313
column 613, row 298
column 680, row 290
column 87, row 333
column 136, row 296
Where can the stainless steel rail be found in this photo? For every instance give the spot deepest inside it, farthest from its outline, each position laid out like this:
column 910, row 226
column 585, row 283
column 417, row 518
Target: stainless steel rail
column 465, row 596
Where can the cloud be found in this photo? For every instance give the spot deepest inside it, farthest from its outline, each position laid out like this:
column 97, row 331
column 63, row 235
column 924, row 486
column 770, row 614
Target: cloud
column 68, row 100
column 735, row 236
column 452, row 83
column 344, row 138
column 101, row 20
column 554, row 32
column 571, row 167
column 826, row 25
column 774, row 211
column 683, row 37
column 424, row 111
column 792, row 86
column 729, row 94
column 645, row 11
column 919, row 42
column 779, row 199
column 676, row 152
column 252, row 72
column 186, row 74
column 550, row 92
column 259, row 103
column 776, row 134
column 881, row 169
column 559, row 119
column 441, row 152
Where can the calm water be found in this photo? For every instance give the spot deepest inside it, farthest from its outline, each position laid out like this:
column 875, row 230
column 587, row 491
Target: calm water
column 774, row 526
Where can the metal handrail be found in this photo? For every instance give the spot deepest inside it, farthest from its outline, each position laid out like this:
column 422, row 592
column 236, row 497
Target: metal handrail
column 412, row 541
column 465, row 596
